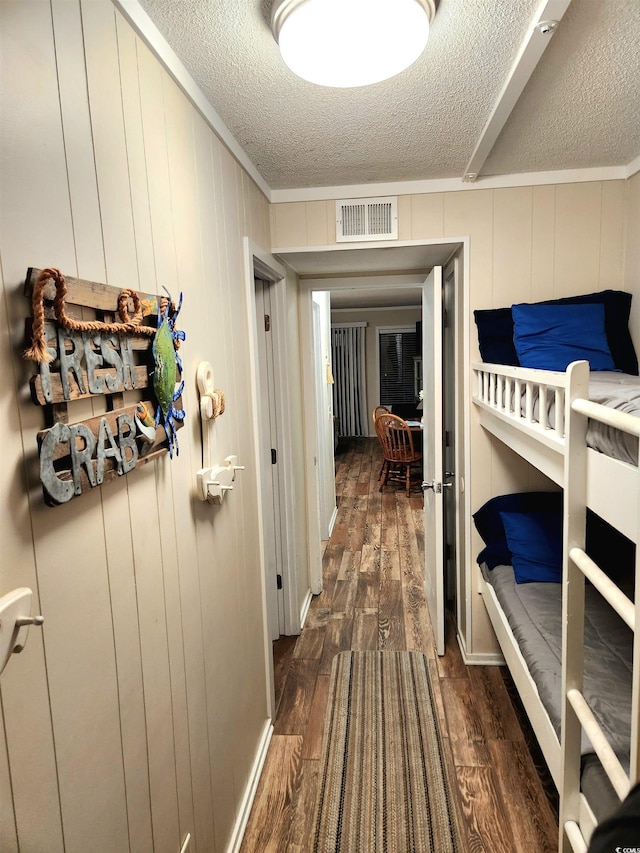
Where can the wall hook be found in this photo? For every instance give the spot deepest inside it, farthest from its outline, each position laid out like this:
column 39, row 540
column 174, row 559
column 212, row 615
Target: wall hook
column 213, row 480
column 15, row 619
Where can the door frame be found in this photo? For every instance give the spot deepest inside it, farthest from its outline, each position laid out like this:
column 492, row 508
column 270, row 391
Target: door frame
column 459, row 247
column 261, row 264
column 269, row 435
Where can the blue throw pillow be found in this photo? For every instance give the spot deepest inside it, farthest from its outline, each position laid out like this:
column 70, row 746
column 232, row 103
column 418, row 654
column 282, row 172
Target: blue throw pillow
column 490, row 527
column 535, row 542
column 495, row 336
column 495, row 329
column 549, row 337
column 617, row 307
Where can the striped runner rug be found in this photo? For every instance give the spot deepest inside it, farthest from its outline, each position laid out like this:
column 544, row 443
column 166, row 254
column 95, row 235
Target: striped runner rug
column 383, row 784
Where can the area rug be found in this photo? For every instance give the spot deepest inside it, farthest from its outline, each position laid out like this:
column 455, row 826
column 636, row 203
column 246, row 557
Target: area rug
column 383, row 785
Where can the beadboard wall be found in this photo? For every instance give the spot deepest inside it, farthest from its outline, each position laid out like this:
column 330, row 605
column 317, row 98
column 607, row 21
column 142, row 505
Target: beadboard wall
column 134, row 716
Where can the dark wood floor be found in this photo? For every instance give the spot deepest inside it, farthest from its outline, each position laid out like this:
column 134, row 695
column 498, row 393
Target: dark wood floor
column 373, row 598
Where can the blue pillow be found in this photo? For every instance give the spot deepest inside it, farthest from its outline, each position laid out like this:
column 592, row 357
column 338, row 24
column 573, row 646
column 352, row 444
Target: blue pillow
column 617, row 307
column 495, row 336
column 490, row 527
column 495, row 329
column 535, row 542
column 549, row 337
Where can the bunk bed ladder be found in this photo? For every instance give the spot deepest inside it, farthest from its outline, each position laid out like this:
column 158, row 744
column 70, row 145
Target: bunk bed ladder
column 577, row 568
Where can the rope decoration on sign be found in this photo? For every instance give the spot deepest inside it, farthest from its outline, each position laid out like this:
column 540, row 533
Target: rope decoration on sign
column 128, row 325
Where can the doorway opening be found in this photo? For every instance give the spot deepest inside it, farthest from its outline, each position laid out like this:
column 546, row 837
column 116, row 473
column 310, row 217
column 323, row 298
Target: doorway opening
column 350, row 269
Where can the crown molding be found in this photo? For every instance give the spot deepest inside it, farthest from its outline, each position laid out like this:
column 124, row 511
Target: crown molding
column 633, row 167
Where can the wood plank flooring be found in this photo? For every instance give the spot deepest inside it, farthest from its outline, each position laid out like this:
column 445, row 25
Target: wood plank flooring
column 373, row 598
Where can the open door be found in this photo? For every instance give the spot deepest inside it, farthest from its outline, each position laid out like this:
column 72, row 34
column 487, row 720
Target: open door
column 432, row 454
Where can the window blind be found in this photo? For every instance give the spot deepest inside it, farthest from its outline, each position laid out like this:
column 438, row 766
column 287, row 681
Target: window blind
column 397, row 349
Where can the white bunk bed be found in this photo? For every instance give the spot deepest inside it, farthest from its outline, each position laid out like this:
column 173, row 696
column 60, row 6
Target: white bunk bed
column 543, row 416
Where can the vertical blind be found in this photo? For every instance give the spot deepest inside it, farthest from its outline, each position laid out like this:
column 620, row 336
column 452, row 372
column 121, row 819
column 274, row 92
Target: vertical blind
column 348, row 363
column 397, row 350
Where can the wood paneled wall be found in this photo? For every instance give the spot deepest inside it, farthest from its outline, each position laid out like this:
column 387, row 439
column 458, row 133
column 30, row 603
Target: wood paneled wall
column 526, row 244
column 134, row 715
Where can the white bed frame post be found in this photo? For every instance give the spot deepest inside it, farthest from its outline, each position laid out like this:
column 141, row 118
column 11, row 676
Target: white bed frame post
column 634, row 755
column 574, row 534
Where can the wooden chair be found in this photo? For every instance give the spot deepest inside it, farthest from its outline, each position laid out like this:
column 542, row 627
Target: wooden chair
column 398, row 452
column 377, row 411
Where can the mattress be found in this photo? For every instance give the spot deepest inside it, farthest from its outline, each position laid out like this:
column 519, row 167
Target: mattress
column 619, row 391
column 534, row 613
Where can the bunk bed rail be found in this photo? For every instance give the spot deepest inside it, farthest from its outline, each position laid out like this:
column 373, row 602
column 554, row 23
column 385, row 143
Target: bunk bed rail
column 577, row 714
column 543, row 415
column 528, row 396
column 524, row 395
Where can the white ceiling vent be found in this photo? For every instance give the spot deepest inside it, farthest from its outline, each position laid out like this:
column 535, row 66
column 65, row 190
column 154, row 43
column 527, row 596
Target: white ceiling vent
column 366, row 219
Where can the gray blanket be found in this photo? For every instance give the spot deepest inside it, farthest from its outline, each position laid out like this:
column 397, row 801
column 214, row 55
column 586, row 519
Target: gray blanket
column 621, row 392
column 534, row 612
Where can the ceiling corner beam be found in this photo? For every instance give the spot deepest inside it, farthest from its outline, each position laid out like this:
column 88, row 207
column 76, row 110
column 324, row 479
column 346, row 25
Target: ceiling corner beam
column 538, row 36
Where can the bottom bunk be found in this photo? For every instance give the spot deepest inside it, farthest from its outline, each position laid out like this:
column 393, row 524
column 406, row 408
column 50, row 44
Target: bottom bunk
column 527, row 619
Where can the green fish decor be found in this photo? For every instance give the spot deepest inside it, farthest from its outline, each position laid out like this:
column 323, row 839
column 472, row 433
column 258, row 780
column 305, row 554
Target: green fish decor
column 168, row 365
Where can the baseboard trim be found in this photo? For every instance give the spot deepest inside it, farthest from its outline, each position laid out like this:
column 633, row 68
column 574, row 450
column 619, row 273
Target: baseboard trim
column 334, row 515
column 478, row 659
column 487, row 659
column 250, row 791
column 304, row 610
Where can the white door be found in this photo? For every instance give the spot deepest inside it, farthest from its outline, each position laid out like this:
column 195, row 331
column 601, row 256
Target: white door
column 268, row 464
column 432, row 443
column 324, row 429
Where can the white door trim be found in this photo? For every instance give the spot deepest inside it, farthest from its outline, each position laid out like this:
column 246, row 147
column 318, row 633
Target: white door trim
column 260, row 264
column 306, row 286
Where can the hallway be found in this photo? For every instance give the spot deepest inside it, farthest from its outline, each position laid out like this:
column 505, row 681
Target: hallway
column 373, row 598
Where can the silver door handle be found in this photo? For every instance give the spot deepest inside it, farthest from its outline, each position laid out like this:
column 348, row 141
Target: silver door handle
column 437, row 487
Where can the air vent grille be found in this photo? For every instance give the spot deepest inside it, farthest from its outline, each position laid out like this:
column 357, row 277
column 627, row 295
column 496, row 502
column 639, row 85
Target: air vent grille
column 369, row 219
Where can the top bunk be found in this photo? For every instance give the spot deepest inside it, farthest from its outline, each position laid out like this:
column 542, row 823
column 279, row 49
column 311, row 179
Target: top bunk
column 589, row 405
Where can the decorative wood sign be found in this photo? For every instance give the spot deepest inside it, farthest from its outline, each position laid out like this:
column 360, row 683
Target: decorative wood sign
column 80, row 359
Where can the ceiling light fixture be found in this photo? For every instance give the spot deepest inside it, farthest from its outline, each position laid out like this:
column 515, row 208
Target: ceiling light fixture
column 346, row 43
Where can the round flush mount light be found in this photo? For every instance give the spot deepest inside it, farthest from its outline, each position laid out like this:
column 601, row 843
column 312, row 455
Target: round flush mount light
column 346, row 43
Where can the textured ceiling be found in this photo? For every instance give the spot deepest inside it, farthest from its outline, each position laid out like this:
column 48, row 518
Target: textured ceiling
column 581, row 107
